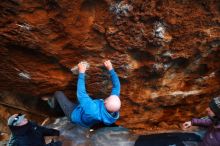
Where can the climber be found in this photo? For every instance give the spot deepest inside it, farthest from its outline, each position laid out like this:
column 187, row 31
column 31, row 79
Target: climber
column 27, row 133
column 89, row 112
column 212, row 122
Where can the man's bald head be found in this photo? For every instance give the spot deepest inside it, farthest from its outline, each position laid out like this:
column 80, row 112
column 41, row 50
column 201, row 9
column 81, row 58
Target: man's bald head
column 113, row 103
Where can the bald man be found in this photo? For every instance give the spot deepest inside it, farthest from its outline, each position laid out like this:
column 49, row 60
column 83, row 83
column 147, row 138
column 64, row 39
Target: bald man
column 90, row 112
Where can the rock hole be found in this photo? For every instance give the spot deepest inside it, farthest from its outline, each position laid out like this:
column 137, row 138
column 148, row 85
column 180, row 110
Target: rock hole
column 181, row 62
column 203, row 69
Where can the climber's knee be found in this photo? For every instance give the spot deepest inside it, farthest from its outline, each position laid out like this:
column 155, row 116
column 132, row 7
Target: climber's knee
column 58, row 94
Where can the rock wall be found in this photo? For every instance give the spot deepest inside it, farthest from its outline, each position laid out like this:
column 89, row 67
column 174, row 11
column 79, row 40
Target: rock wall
column 166, row 53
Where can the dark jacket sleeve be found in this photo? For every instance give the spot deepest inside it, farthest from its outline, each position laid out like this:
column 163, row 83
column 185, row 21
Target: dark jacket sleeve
column 49, row 131
column 11, row 142
column 201, row 122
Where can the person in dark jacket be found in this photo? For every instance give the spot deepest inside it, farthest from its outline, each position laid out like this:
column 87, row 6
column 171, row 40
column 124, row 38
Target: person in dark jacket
column 212, row 122
column 89, row 112
column 28, row 133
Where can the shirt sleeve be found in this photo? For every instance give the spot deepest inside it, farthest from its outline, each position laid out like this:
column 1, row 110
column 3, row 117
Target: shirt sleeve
column 82, row 95
column 115, row 82
column 49, row 131
column 201, row 122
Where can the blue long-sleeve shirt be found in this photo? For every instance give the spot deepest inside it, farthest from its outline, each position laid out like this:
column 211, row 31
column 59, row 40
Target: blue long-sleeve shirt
column 89, row 111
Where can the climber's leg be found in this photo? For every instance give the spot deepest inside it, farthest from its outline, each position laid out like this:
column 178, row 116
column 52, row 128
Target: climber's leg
column 66, row 105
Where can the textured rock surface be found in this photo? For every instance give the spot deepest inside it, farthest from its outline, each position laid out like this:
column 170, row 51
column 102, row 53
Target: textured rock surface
column 165, row 52
column 72, row 135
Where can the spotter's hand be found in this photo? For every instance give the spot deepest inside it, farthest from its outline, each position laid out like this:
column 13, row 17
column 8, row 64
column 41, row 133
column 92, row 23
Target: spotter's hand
column 187, row 125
